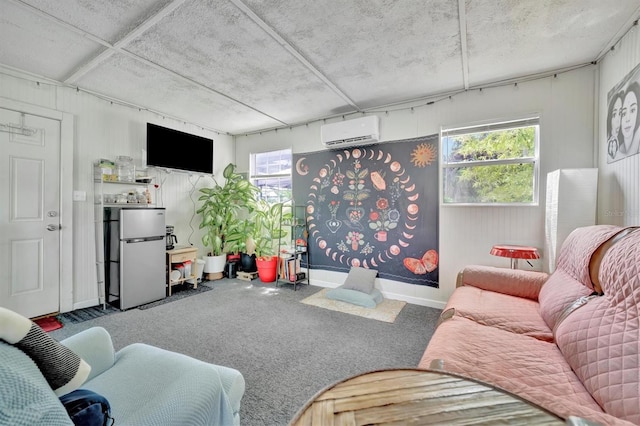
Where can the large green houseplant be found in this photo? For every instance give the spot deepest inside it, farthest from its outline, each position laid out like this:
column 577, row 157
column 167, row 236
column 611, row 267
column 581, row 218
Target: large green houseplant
column 221, row 207
column 267, row 235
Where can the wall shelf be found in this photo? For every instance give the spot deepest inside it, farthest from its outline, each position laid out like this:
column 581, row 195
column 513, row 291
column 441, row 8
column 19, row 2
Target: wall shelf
column 99, row 185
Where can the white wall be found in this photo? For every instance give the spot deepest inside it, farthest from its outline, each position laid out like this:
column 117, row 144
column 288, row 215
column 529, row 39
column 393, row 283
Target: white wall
column 566, row 107
column 106, row 130
column 566, row 104
column 619, row 183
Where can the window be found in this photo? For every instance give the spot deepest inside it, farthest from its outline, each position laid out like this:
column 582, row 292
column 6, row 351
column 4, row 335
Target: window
column 271, row 173
column 491, row 164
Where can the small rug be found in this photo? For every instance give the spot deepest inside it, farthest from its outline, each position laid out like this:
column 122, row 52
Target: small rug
column 49, row 323
column 386, row 311
column 85, row 314
column 177, row 292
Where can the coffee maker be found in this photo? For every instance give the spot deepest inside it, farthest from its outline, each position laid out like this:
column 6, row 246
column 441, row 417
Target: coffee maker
column 170, row 237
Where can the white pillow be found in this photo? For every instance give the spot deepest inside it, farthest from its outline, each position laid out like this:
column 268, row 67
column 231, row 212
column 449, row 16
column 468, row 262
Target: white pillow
column 356, row 297
column 361, row 279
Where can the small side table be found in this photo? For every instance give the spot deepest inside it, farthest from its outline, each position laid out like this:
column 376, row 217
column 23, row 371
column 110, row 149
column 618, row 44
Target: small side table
column 515, row 253
column 179, row 255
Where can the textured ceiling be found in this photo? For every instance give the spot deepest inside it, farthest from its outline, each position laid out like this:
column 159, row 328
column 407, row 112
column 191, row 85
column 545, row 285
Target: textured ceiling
column 240, row 66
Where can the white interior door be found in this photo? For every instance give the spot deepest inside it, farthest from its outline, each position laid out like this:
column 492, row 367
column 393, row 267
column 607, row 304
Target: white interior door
column 29, row 213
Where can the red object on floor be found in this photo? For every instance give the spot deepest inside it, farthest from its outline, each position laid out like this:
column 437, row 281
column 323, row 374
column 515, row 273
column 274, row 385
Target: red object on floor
column 49, row 323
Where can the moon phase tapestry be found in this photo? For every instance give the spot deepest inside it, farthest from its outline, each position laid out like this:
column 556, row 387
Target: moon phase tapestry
column 373, row 206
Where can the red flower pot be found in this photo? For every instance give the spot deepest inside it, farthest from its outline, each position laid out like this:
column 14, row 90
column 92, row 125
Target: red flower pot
column 267, row 269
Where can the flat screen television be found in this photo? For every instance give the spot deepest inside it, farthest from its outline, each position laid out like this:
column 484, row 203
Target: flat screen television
column 178, row 150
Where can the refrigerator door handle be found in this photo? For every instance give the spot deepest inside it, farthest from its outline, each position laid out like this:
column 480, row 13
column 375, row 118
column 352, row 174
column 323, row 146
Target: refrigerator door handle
column 142, row 240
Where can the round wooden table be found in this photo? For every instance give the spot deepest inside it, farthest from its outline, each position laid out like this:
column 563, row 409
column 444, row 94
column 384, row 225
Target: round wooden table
column 413, row 396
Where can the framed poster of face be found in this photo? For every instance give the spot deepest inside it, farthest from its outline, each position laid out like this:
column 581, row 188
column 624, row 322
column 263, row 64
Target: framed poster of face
column 623, row 136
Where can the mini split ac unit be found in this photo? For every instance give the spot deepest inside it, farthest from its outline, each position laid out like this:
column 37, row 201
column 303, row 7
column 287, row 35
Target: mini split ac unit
column 359, row 131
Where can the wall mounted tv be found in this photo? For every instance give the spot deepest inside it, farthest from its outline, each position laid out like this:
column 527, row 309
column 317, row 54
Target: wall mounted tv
column 178, row 150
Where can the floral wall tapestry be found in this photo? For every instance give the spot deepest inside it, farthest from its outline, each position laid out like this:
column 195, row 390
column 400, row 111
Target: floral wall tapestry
column 373, row 206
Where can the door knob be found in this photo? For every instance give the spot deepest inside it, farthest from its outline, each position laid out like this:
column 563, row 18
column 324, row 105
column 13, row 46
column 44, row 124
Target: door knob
column 52, row 227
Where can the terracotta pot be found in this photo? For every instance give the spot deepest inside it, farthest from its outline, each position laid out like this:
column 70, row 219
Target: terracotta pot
column 267, row 269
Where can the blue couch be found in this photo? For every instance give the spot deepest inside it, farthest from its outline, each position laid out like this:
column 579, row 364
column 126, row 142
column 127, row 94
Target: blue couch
column 145, row 385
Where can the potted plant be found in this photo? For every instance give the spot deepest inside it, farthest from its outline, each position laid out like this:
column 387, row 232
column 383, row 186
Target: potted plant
column 221, row 205
column 240, row 242
column 267, row 235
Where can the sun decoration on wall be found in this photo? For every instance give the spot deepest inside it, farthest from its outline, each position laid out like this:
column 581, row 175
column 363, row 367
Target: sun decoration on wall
column 423, row 155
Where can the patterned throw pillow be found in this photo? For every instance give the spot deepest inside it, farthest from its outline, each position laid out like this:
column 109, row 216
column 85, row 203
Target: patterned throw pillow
column 63, row 369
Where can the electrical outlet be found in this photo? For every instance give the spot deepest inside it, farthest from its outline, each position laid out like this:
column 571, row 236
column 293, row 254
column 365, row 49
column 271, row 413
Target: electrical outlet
column 79, row 195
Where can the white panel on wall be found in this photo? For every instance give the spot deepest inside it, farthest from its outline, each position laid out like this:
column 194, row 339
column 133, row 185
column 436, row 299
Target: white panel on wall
column 565, row 104
column 566, row 107
column 619, row 182
column 106, row 130
column 571, row 203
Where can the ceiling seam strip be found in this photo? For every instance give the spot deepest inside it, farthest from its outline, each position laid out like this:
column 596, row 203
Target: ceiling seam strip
column 428, row 100
column 87, row 66
column 620, row 34
column 60, row 22
column 116, row 47
column 462, row 19
column 293, row 51
column 112, row 48
column 195, row 83
column 153, row 111
column 36, row 78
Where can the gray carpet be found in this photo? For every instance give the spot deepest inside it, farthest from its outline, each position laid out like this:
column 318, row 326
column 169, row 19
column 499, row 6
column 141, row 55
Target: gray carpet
column 287, row 351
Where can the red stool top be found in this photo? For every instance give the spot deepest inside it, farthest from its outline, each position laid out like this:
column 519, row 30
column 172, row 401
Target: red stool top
column 515, row 252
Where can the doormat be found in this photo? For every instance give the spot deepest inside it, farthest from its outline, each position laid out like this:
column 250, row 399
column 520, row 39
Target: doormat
column 49, row 323
column 85, row 314
column 178, row 292
column 386, row 311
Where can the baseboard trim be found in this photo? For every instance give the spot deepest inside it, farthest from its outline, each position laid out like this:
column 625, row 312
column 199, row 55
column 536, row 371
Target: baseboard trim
column 409, row 299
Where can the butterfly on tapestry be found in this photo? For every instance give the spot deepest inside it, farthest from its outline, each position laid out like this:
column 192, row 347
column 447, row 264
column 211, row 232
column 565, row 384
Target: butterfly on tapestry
column 373, row 206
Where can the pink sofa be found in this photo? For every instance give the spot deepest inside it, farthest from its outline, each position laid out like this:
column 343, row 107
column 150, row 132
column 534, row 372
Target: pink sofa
column 567, row 342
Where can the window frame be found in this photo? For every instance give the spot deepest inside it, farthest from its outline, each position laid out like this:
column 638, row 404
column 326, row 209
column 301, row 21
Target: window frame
column 253, row 176
column 534, row 119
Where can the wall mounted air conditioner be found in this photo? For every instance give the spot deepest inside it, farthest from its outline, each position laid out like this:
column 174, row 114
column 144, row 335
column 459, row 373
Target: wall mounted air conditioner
column 358, row 131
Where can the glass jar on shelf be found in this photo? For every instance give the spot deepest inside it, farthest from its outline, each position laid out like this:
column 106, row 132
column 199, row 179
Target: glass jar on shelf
column 125, row 169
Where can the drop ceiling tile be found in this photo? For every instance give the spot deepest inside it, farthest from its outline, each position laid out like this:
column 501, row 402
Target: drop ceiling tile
column 37, row 45
column 530, row 37
column 130, row 80
column 376, row 51
column 217, row 45
column 108, row 20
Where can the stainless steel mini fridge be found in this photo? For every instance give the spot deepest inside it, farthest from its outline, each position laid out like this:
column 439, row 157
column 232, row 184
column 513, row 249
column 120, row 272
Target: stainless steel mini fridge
column 134, row 255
